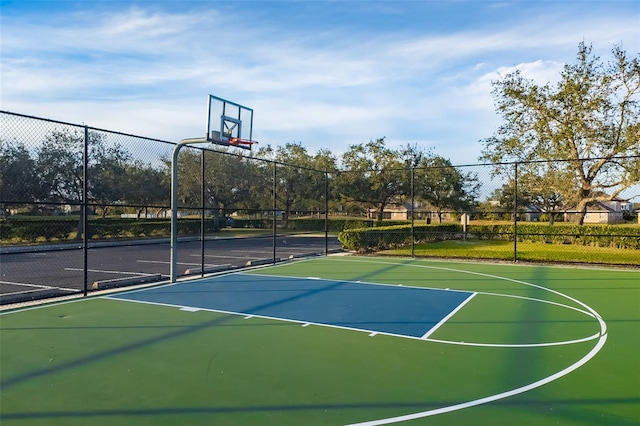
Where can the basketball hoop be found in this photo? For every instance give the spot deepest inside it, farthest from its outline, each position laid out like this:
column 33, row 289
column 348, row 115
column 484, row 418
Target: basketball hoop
column 244, row 143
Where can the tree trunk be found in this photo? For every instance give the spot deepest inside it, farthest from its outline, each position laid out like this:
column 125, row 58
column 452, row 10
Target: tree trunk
column 80, row 232
column 581, row 212
column 582, row 205
column 286, row 214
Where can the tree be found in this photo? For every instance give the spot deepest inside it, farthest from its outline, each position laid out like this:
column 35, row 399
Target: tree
column 60, row 165
column 444, row 186
column 108, row 177
column 544, row 186
column 18, row 180
column 590, row 118
column 298, row 182
column 146, row 186
column 232, row 181
column 376, row 175
column 189, row 177
column 60, row 168
column 505, row 198
column 228, row 181
column 325, row 161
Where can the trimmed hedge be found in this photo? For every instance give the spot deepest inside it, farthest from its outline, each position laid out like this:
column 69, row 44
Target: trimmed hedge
column 337, row 225
column 613, row 236
column 385, row 237
column 314, row 225
column 252, row 223
column 31, row 230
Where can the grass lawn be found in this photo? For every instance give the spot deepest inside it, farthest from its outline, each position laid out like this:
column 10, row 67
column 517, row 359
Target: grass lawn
column 503, row 250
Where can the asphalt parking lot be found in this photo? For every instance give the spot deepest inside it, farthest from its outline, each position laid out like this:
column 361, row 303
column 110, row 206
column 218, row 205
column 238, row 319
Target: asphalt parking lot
column 34, row 273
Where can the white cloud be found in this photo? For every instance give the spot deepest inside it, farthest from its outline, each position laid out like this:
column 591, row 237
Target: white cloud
column 148, row 70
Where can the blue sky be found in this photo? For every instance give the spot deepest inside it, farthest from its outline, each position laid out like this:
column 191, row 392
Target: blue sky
column 326, row 74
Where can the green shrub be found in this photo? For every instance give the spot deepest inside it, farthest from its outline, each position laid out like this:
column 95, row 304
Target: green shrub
column 30, row 231
column 384, row 237
column 335, row 225
column 252, row 223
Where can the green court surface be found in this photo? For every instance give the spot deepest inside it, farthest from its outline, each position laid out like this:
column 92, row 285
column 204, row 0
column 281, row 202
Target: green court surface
column 533, row 345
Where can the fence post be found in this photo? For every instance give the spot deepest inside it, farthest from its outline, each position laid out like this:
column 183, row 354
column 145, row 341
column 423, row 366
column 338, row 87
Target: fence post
column 326, row 213
column 84, row 208
column 515, row 212
column 275, row 207
column 412, row 213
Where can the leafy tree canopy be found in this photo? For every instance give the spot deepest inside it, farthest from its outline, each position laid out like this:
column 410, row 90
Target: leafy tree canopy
column 590, row 118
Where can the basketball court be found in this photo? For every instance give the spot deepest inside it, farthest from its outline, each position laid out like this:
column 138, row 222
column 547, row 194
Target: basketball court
column 333, row 340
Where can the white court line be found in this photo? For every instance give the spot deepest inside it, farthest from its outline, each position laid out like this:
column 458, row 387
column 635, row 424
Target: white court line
column 126, row 278
column 445, row 319
column 516, row 345
column 244, row 314
column 597, row 347
column 268, row 250
column 40, row 286
column 479, row 344
column 29, row 291
column 162, row 262
column 601, row 336
column 233, row 256
column 533, row 299
column 142, row 274
column 491, row 398
column 356, row 282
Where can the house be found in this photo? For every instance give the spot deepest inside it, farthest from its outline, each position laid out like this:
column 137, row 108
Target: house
column 529, row 213
column 606, row 212
column 403, row 212
column 627, row 207
column 532, row 213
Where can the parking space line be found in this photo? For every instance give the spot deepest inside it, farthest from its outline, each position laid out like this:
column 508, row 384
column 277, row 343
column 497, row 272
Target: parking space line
column 39, row 286
column 163, row 262
column 110, row 272
column 229, row 256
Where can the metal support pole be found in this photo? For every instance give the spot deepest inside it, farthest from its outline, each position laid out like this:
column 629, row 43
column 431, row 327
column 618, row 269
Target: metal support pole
column 173, row 273
column 275, row 207
column 202, row 193
column 85, row 239
column 413, row 206
column 326, row 213
column 515, row 213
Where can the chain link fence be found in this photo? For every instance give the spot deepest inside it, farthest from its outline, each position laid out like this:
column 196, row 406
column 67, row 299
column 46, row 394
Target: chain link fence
column 502, row 212
column 84, row 209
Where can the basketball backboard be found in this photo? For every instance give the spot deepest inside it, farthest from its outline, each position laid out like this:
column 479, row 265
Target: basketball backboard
column 229, row 123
